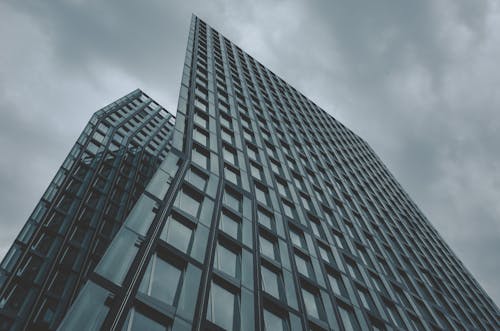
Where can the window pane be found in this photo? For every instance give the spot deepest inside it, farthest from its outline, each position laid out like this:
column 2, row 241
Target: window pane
column 225, row 260
column 302, row 265
column 310, row 303
column 296, row 238
column 200, row 136
column 347, row 319
column 272, row 322
column 232, row 200
column 337, row 285
column 228, row 155
column 139, row 322
column 221, row 307
column 270, row 282
column 267, row 247
column 199, row 158
column 230, row 175
column 187, row 203
column 229, row 225
column 161, row 280
column 177, row 235
column 264, row 219
column 196, row 179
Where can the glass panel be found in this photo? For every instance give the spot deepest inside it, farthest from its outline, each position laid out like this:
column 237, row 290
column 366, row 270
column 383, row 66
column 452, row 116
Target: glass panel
column 346, row 317
column 267, row 247
column 196, row 179
column 229, row 225
column 270, row 282
column 114, row 265
column 142, row 215
column 162, row 280
column 199, row 157
column 221, row 307
column 177, row 235
column 225, row 260
column 230, row 175
column 337, row 285
column 232, row 200
column 139, row 322
column 272, row 322
column 187, row 202
column 302, row 265
column 88, row 310
column 265, row 219
column 310, row 301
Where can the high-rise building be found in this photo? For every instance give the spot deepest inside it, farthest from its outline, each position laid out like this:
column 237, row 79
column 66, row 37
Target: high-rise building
column 268, row 214
column 82, row 209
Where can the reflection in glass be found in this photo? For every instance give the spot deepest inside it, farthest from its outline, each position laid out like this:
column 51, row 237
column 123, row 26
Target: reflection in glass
column 272, row 322
column 177, row 234
column 161, row 280
column 221, row 307
column 225, row 260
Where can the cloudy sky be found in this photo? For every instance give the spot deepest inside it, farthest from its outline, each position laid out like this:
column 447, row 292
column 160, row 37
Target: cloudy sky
column 419, row 80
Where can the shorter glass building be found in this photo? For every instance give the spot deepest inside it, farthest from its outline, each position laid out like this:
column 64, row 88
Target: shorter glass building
column 99, row 182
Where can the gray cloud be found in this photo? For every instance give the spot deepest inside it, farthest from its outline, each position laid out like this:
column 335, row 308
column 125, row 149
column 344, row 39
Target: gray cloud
column 418, row 80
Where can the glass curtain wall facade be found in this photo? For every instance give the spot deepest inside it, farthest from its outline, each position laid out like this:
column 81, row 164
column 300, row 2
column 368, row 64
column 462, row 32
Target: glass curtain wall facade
column 84, row 206
column 268, row 214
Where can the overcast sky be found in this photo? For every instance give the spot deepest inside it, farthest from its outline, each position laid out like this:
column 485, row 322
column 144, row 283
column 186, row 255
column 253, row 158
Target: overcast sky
column 418, row 80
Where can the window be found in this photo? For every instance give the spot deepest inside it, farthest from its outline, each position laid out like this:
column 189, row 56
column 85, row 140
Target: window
column 231, row 174
column 200, row 157
column 222, row 307
column 252, row 152
column 306, row 202
column 325, row 253
column 316, row 229
column 270, row 282
column 232, row 199
column 273, row 322
column 137, row 321
column 339, row 239
column 303, row 265
column 196, row 178
column 177, row 234
column 261, row 194
column 226, row 135
column 348, row 320
column 228, row 154
column 282, row 188
column 289, row 209
column 200, row 120
column 256, row 171
column 267, row 247
column 312, row 303
column 337, row 284
column 200, row 136
column 394, row 314
column 297, row 238
column 161, row 280
column 229, row 225
column 265, row 219
column 365, row 298
column 226, row 260
column 226, row 121
column 188, row 202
